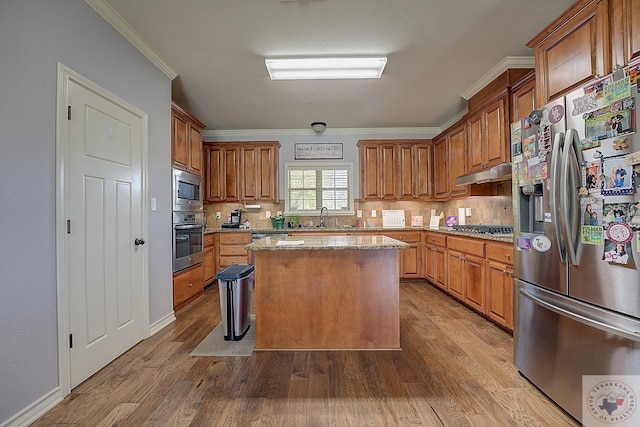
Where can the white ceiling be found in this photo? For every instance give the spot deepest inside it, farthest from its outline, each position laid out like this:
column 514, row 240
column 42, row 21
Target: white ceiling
column 437, row 51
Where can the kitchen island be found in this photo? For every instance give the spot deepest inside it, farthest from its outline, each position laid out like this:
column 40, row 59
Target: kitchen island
column 327, row 292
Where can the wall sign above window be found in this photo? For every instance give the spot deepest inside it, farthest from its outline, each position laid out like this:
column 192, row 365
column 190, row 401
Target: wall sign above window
column 318, row 151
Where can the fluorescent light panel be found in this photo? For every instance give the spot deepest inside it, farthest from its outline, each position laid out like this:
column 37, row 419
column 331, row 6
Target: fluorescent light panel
column 325, row 68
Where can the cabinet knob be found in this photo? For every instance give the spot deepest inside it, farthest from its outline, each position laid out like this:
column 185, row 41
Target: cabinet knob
column 190, row 284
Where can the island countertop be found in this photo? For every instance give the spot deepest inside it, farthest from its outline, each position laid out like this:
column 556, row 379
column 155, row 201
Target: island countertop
column 339, row 242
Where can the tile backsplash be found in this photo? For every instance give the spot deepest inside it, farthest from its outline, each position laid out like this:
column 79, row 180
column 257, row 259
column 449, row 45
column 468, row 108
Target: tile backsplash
column 484, row 210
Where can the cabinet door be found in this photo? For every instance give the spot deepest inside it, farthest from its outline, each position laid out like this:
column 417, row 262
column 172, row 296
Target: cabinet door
column 523, row 100
column 214, row 174
column 457, row 161
column 441, row 267
column 370, row 172
column 499, row 300
column 179, row 144
column 230, row 177
column 496, row 133
column 422, row 177
column 406, row 171
column 477, row 157
column 267, row 173
column 625, row 31
column 388, row 179
column 410, row 262
column 248, row 170
column 440, row 169
column 474, row 282
column 195, row 150
column 209, row 265
column 455, row 274
column 572, row 50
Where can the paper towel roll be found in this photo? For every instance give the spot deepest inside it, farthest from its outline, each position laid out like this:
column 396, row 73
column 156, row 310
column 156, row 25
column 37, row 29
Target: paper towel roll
column 461, row 217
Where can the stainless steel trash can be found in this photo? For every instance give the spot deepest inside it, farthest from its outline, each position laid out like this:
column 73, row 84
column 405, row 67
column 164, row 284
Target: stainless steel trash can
column 235, row 283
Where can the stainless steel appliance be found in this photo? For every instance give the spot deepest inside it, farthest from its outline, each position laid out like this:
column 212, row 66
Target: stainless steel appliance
column 188, row 233
column 577, row 284
column 187, row 194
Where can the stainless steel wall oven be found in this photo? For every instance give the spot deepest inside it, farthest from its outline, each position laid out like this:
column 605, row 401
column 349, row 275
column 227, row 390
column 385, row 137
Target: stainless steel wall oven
column 188, row 232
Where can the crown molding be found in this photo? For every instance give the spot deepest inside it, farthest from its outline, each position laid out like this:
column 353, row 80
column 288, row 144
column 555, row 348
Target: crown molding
column 455, row 119
column 427, row 132
column 120, row 25
column 501, row 67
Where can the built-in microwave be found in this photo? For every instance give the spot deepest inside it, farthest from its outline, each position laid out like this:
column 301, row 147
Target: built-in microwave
column 187, row 191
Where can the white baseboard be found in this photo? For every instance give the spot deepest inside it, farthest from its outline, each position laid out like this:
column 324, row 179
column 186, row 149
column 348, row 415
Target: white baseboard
column 34, row 411
column 165, row 321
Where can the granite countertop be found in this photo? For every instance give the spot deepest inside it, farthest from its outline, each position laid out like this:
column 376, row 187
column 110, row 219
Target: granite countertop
column 444, row 230
column 326, row 242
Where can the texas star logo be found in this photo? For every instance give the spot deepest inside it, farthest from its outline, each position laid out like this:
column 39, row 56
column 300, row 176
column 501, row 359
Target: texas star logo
column 611, row 401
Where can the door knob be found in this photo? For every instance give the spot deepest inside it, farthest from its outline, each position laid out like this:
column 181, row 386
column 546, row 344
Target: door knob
column 139, row 241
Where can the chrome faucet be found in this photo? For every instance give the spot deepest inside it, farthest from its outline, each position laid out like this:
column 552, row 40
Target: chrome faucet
column 322, row 215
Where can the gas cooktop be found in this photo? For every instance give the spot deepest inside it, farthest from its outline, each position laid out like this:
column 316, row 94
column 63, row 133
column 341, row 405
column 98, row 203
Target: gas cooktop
column 496, row 230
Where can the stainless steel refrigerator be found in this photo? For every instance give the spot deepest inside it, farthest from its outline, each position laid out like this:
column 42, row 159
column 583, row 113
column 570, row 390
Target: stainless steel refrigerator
column 576, row 224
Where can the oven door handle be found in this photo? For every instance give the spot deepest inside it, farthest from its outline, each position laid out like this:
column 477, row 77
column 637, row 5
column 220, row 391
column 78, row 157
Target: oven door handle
column 188, row 227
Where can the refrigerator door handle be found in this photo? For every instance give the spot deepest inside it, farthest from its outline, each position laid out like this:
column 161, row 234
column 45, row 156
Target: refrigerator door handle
column 571, row 180
column 555, row 193
column 632, row 335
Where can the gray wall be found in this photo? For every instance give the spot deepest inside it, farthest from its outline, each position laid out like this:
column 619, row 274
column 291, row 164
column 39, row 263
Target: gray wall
column 34, row 36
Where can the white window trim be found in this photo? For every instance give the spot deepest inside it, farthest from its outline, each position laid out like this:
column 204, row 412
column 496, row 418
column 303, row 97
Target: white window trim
column 312, row 165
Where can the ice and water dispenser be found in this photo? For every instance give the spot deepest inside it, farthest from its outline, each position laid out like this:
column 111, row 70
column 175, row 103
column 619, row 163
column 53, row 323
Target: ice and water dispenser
column 531, row 208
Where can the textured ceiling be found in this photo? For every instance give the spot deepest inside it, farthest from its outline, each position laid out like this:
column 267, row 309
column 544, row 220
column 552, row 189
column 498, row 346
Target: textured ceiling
column 437, row 50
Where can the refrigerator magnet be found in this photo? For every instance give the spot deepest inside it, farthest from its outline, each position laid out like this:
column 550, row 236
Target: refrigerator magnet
column 541, row 243
column 592, row 235
column 524, row 243
column 619, row 232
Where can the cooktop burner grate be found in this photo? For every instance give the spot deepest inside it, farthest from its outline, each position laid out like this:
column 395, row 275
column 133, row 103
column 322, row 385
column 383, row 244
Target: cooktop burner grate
column 484, row 229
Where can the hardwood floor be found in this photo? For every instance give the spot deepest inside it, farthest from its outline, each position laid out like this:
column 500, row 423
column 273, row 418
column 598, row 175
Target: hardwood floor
column 455, row 369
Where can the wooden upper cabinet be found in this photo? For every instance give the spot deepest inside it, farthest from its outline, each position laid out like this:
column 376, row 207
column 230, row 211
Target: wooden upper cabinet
column 457, row 155
column 523, row 97
column 573, row 49
column 625, row 31
column 395, row 169
column 246, row 171
column 186, row 141
column 441, row 168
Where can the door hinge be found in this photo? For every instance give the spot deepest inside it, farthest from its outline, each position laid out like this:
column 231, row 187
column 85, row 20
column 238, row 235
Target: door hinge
column 69, row 112
column 70, row 340
column 68, row 226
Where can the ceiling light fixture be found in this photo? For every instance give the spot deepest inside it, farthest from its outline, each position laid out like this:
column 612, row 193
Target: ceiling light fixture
column 325, row 68
column 318, row 127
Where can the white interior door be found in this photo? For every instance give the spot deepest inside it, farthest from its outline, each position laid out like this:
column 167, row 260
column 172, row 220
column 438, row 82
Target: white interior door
column 103, row 201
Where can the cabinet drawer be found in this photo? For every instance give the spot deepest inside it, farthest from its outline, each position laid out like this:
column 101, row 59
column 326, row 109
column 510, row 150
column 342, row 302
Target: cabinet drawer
column 232, row 250
column 208, row 240
column 436, row 239
column 228, row 260
column 467, row 246
column 234, row 238
column 187, row 284
column 408, row 237
column 501, row 252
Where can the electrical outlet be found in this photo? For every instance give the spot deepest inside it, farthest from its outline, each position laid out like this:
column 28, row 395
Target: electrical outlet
column 374, row 213
column 268, row 214
column 359, row 214
column 279, row 213
column 218, row 215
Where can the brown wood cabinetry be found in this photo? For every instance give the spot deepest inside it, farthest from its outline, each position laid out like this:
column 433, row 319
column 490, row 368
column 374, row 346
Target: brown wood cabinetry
column 245, row 171
column 186, row 141
column 488, row 139
column 466, row 271
column 435, row 253
column 499, row 299
column 209, row 263
column 523, row 96
column 410, row 258
column 395, row 169
column 573, row 49
column 187, row 286
column 625, row 31
column 231, row 248
column 450, row 162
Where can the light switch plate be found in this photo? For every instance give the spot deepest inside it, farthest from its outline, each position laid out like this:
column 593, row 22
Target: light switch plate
column 359, row 214
column 468, row 211
column 268, row 214
column 374, row 213
column 154, row 204
column 218, row 215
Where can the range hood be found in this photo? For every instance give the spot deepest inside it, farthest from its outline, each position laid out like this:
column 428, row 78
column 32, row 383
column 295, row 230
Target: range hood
column 501, row 172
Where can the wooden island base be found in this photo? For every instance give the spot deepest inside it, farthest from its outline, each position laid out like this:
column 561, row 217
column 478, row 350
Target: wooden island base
column 327, row 300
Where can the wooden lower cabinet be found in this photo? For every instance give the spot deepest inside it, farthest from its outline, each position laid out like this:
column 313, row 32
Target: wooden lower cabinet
column 435, row 259
column 466, row 271
column 410, row 258
column 231, row 248
column 499, row 294
column 209, row 263
column 187, row 286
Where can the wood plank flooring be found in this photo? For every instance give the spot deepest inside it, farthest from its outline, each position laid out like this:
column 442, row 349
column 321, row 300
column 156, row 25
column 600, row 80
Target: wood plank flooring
column 455, row 369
